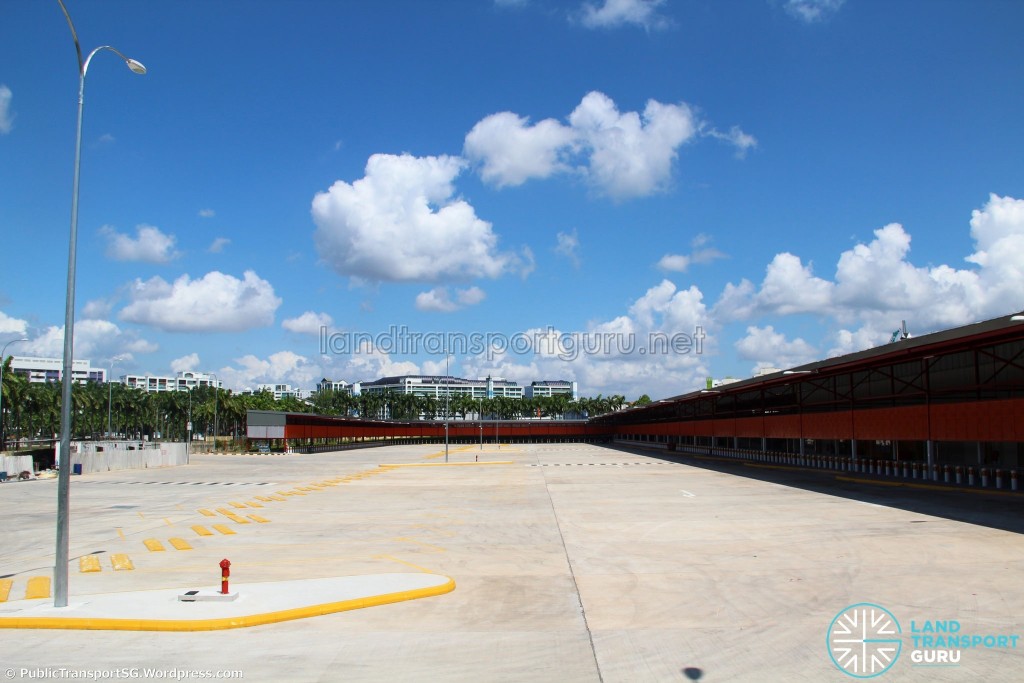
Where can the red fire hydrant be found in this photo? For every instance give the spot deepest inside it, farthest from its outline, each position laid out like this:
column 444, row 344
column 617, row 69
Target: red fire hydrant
column 225, row 572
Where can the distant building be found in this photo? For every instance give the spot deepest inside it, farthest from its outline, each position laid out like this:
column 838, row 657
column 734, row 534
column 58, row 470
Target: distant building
column 51, row 369
column 552, row 388
column 183, row 381
column 280, row 391
column 438, row 386
column 341, row 385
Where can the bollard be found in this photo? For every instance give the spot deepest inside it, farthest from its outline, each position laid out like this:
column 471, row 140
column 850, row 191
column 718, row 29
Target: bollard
column 945, row 473
column 970, row 476
column 1013, row 480
column 984, row 476
column 999, row 479
column 959, row 475
column 225, row 572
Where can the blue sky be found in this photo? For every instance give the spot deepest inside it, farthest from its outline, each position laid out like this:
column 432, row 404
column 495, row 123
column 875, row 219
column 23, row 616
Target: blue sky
column 774, row 181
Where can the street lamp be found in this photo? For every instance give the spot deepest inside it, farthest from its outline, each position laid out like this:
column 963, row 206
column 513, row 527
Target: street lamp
column 3, row 354
column 110, row 393
column 216, row 390
column 60, row 593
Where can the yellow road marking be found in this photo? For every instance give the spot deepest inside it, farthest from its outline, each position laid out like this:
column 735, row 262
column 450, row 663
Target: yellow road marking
column 238, row 505
column 257, row 518
column 226, row 512
column 5, row 588
column 121, row 562
column 432, row 548
column 168, row 522
column 180, row 544
column 238, row 520
column 265, row 499
column 208, row 513
column 89, row 563
column 279, row 498
column 154, row 545
column 38, row 587
column 407, row 564
column 226, row 530
column 253, row 505
column 120, row 532
column 202, row 530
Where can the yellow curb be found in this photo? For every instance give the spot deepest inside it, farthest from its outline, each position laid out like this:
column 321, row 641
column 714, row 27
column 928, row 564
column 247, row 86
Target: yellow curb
column 447, row 464
column 99, row 624
column 38, row 587
column 89, row 563
column 121, row 562
column 958, row 488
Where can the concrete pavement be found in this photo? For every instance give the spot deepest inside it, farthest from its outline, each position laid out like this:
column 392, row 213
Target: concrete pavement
column 573, row 563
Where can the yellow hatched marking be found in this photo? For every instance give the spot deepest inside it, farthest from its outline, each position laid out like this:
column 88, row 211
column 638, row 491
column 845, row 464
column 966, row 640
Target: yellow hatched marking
column 224, row 529
column 120, row 532
column 238, row 520
column 202, row 530
column 154, row 545
column 208, row 513
column 265, row 499
column 168, row 522
column 257, row 518
column 38, row 587
column 279, row 498
column 226, row 512
column 180, row 544
column 121, row 562
column 304, row 488
column 238, row 505
column 254, row 505
column 89, row 563
column 5, row 588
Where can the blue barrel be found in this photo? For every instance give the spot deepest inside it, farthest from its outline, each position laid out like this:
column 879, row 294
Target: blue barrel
column 76, row 468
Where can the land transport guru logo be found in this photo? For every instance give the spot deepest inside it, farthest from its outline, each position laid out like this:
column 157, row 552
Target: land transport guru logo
column 864, row 640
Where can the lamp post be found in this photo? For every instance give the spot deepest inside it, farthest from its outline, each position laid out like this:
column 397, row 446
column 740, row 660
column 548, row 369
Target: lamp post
column 216, row 390
column 3, row 354
column 110, row 393
column 60, row 592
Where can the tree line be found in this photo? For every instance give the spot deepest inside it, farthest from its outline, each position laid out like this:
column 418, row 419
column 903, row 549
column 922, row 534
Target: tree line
column 31, row 410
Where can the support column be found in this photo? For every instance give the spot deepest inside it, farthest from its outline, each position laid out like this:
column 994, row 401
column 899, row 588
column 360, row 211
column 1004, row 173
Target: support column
column 930, row 448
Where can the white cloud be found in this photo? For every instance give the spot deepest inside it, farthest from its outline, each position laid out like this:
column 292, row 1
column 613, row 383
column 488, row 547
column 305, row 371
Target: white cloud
column 402, row 222
column 511, row 152
column 614, row 13
column 93, row 339
column 98, row 308
column 6, row 114
column 621, row 154
column 569, row 247
column 769, row 348
column 631, row 155
column 9, row 325
column 743, row 142
column 812, row 11
column 207, row 213
column 217, row 245
column 439, row 299
column 150, row 245
column 187, row 363
column 701, row 254
column 309, row 322
column 214, row 303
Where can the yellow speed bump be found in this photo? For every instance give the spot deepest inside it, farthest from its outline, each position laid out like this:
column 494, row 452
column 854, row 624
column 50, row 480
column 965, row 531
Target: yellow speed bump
column 180, row 544
column 38, row 587
column 208, row 513
column 224, row 529
column 89, row 563
column 121, row 562
column 257, row 518
column 201, row 530
column 154, row 545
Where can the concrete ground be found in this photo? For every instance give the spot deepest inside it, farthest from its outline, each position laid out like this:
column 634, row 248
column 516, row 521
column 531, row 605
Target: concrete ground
column 573, row 563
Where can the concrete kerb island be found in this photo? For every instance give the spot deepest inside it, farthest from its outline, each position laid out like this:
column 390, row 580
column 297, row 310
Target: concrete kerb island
column 257, row 604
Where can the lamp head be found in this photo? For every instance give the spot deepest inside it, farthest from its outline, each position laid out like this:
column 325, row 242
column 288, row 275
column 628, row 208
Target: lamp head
column 135, row 66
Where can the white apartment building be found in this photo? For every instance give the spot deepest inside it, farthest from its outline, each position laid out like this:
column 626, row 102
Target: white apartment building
column 50, row 369
column 439, row 386
column 183, row 381
column 552, row 388
column 280, row 391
